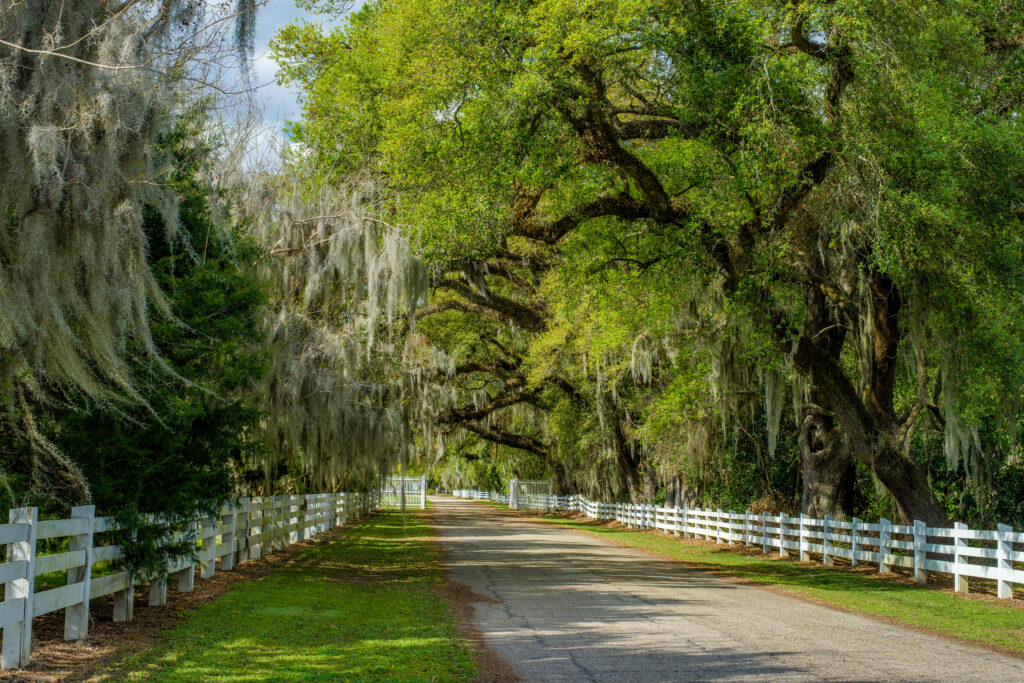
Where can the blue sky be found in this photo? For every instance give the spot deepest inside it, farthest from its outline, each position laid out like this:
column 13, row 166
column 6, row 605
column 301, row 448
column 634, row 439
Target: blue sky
column 281, row 103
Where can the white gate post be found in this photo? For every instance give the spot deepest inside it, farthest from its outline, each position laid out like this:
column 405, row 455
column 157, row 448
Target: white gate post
column 76, row 617
column 423, row 492
column 783, row 550
column 17, row 644
column 959, row 559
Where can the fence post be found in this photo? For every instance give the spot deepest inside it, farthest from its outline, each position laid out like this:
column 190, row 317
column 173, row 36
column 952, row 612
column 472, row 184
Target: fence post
column 854, row 541
column 291, row 505
column 256, row 505
column 764, row 533
column 718, row 526
column 208, row 555
column 76, row 617
column 267, row 528
column 17, row 644
column 748, row 535
column 157, row 592
column 227, row 562
column 242, row 531
column 826, row 544
column 1004, row 563
column 271, row 544
column 804, row 554
column 884, row 533
column 277, row 521
column 423, row 492
column 187, row 576
column 305, row 529
column 783, row 550
column 686, row 521
column 124, row 600
column 920, row 575
column 344, row 508
column 959, row 544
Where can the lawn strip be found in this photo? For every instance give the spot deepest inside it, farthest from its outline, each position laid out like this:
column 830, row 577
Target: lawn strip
column 365, row 607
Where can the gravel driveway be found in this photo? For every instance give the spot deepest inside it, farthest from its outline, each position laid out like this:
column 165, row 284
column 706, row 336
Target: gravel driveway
column 571, row 607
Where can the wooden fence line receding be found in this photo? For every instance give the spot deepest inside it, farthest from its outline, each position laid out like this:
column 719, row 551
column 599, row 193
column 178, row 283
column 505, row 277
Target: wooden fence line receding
column 244, row 530
column 960, row 552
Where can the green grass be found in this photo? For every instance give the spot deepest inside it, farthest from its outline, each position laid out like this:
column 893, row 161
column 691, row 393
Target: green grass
column 363, row 608
column 983, row 622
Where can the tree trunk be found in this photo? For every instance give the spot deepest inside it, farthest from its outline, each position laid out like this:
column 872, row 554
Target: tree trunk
column 874, row 438
column 683, row 495
column 828, row 471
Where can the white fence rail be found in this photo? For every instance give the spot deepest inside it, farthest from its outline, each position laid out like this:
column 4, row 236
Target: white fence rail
column 412, row 489
column 961, row 552
column 493, row 496
column 244, row 530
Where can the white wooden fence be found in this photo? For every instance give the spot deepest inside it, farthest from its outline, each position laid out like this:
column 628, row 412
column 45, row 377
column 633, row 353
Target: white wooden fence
column 961, row 552
column 493, row 496
column 244, row 530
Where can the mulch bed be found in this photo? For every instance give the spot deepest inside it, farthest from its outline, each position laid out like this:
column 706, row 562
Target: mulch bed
column 54, row 659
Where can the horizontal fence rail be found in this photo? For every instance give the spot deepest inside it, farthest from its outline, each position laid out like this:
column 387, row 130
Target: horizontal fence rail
column 959, row 551
column 244, row 530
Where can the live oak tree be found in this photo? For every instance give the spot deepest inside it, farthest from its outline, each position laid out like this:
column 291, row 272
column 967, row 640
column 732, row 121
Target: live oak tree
column 838, row 183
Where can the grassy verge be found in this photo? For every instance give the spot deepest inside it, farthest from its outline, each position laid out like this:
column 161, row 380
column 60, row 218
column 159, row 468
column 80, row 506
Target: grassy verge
column 364, row 607
column 983, row 622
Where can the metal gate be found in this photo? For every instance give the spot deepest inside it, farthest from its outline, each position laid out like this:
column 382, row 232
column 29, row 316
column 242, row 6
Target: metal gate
column 530, row 494
column 412, row 489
